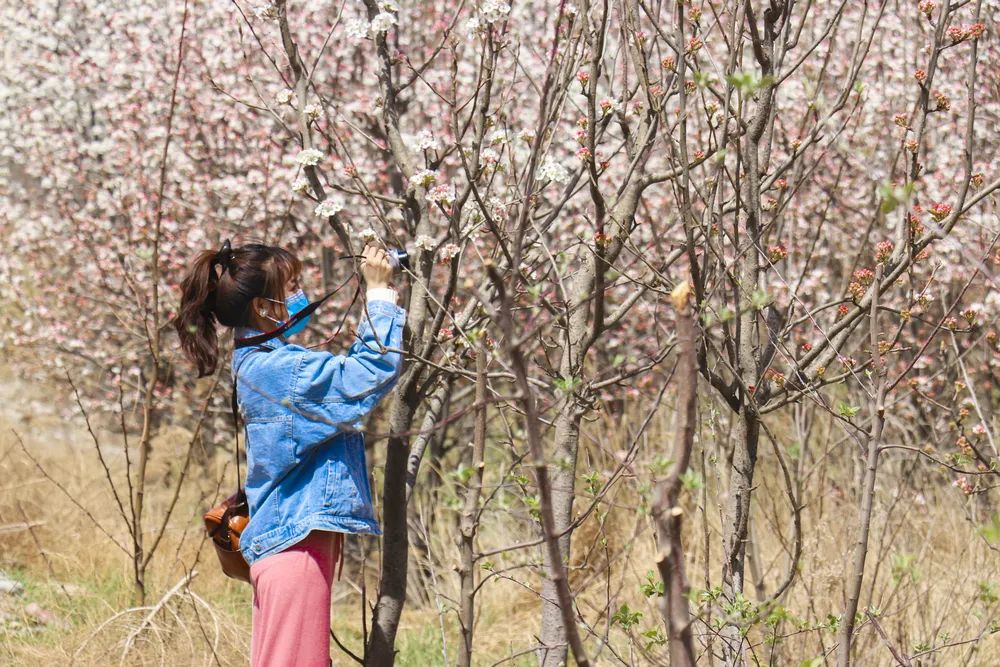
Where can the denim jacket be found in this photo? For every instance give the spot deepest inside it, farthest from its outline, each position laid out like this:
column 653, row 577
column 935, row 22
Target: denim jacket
column 304, row 412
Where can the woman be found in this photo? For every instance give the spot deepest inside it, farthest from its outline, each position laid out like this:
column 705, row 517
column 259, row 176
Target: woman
column 307, row 480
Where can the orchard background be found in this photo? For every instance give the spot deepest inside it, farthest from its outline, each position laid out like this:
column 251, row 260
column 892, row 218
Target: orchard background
column 701, row 349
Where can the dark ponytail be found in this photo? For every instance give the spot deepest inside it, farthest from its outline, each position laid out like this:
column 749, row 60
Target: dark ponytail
column 219, row 287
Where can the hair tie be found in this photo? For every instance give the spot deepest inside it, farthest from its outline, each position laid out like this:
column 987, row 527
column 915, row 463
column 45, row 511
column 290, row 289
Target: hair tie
column 223, row 257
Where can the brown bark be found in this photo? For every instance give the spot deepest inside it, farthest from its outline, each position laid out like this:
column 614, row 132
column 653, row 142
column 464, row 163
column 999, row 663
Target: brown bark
column 857, row 574
column 666, row 509
column 470, row 516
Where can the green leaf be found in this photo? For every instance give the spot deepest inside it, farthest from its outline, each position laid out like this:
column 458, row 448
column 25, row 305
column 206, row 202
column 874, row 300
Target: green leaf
column 987, row 593
column 567, row 385
column 991, row 531
column 653, row 585
column 748, row 83
column 904, row 565
column 692, row 480
column 794, row 451
column 626, row 617
column 703, row 79
column 655, row 637
column 847, row 411
column 759, row 299
column 660, row 466
column 893, row 197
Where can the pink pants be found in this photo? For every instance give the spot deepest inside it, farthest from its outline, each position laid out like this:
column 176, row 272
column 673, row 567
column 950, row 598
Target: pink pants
column 291, row 603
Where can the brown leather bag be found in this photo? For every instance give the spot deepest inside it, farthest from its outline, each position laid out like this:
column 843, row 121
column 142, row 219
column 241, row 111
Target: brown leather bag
column 225, row 522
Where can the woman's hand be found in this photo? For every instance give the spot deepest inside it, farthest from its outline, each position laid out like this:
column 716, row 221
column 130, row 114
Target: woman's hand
column 375, row 266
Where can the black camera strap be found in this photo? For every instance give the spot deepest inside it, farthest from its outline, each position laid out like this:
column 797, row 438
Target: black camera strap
column 292, row 321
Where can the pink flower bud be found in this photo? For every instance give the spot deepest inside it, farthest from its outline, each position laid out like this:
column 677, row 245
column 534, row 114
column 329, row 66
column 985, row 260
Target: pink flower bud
column 975, row 31
column 883, row 251
column 778, row 252
column 940, row 211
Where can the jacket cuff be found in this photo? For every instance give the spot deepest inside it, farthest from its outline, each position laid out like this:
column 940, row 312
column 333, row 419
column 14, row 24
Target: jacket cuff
column 381, row 307
column 381, row 294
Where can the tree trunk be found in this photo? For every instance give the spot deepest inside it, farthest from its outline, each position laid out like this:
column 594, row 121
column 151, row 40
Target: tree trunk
column 395, row 542
column 737, row 521
column 868, row 490
column 666, row 507
column 562, row 477
column 470, row 516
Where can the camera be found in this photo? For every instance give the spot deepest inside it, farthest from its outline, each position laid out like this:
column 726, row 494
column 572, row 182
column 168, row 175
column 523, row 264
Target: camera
column 398, row 257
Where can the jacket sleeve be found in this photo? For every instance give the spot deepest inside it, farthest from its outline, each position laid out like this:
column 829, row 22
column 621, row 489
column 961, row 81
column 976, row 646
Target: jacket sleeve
column 336, row 392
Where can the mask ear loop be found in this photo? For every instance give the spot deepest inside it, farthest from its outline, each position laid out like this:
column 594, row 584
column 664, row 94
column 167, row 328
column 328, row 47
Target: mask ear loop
column 273, row 319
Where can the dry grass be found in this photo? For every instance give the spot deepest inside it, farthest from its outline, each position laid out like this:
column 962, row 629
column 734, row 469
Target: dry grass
column 929, row 572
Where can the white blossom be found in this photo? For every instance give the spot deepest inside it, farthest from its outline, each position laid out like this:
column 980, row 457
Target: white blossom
column 449, row 250
column 286, row 97
column 328, row 207
column 388, row 6
column 489, row 156
column 309, row 157
column 424, row 242
column 424, row 141
column 382, row 22
column 498, row 136
column 368, row 235
column 498, row 210
column 441, row 194
column 423, row 178
column 472, row 26
column 313, row 111
column 265, row 11
column 494, row 10
column 553, row 171
column 357, row 29
column 300, row 185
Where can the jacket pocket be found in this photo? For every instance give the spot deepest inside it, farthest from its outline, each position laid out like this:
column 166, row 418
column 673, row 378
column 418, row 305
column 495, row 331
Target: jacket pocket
column 270, row 451
column 344, row 494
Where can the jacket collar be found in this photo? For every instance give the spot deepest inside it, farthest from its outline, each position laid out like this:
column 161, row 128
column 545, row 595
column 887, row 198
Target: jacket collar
column 245, row 332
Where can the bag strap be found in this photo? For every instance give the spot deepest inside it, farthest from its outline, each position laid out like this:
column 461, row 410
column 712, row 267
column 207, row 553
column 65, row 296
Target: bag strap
column 236, row 420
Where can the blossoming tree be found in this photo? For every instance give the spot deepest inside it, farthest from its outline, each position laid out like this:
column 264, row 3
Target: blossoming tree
column 818, row 173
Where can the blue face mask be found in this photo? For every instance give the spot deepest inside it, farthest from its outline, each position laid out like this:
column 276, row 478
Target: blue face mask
column 295, row 302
